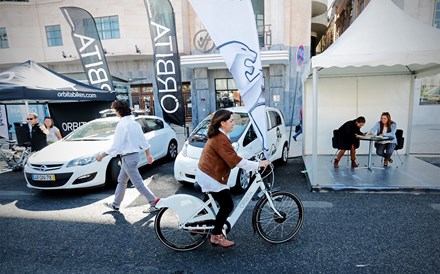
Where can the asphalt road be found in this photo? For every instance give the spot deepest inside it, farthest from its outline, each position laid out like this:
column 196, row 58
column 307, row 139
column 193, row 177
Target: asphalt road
column 343, row 232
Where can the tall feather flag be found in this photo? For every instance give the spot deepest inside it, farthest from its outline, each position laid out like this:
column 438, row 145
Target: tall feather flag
column 231, row 24
column 166, row 60
column 88, row 44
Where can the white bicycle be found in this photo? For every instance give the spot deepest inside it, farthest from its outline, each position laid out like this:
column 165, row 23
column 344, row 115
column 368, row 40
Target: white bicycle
column 184, row 222
column 14, row 155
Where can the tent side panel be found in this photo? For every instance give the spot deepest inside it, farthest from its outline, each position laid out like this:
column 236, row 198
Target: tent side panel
column 384, row 94
column 344, row 98
column 337, row 100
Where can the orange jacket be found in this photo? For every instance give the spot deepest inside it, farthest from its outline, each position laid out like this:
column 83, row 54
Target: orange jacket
column 218, row 158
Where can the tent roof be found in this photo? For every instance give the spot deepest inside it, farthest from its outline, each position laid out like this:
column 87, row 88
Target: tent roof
column 34, row 82
column 383, row 36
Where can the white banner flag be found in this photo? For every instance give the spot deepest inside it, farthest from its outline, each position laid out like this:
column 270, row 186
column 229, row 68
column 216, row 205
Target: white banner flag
column 232, row 26
column 3, row 123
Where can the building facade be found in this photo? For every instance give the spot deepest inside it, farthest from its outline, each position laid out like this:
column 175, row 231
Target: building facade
column 342, row 14
column 36, row 30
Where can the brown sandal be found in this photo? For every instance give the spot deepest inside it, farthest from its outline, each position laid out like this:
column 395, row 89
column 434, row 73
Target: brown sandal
column 354, row 163
column 336, row 163
column 220, row 240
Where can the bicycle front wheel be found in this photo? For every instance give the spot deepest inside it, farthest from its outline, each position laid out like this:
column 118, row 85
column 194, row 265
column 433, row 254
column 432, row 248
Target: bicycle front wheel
column 173, row 236
column 273, row 227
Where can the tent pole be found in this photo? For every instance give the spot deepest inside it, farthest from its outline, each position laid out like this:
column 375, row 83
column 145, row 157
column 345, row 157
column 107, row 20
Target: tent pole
column 293, row 109
column 315, row 128
column 27, row 106
column 410, row 114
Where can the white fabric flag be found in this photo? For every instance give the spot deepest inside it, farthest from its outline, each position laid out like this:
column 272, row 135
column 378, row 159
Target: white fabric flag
column 3, row 123
column 231, row 25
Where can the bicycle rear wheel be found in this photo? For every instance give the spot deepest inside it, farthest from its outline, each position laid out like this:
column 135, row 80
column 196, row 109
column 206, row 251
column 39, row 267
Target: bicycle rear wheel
column 170, row 234
column 274, row 228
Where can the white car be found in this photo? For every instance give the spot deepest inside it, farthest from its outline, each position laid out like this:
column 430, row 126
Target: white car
column 70, row 163
column 244, row 140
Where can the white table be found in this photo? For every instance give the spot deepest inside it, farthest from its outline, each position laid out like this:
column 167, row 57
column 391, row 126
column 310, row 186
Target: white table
column 371, row 139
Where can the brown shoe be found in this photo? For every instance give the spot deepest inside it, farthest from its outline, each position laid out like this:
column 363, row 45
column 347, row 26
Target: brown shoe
column 385, row 162
column 221, row 241
column 354, row 163
column 336, row 163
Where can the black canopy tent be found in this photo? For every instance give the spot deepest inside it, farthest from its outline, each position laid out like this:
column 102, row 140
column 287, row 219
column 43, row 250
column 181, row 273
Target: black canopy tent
column 31, row 82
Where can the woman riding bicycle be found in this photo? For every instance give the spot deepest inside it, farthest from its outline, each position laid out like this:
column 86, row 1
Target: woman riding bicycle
column 217, row 159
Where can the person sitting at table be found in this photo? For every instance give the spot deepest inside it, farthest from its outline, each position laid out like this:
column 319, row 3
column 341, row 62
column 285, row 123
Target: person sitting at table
column 347, row 139
column 385, row 127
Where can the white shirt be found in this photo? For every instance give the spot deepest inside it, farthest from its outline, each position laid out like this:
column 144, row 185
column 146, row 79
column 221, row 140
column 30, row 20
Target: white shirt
column 209, row 184
column 129, row 138
column 52, row 137
column 384, row 132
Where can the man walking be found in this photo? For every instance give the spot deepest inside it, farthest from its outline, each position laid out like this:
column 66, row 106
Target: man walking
column 127, row 142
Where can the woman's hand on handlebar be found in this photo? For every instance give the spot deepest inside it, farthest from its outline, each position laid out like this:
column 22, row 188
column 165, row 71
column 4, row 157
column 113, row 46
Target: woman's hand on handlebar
column 264, row 163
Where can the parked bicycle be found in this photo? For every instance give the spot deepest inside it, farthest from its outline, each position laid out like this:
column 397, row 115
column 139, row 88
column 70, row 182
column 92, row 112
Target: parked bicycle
column 184, row 222
column 14, row 155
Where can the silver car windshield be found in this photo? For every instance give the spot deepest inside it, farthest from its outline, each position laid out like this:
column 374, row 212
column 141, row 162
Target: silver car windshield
column 200, row 133
column 93, row 131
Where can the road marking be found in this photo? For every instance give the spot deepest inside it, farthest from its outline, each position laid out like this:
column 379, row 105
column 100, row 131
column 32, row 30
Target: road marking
column 4, row 170
column 317, row 204
column 133, row 198
column 14, row 193
column 435, row 206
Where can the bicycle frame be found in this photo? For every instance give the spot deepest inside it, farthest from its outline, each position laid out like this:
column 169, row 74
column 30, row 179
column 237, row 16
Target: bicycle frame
column 191, row 209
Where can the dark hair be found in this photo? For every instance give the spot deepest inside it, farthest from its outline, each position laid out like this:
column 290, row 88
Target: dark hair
column 51, row 121
column 121, row 107
column 360, row 119
column 389, row 121
column 220, row 115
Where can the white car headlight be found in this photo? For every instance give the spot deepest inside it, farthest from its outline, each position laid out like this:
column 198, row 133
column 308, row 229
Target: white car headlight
column 185, row 149
column 82, row 161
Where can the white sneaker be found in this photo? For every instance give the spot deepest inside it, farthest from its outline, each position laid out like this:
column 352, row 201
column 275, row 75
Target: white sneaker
column 152, row 207
column 111, row 206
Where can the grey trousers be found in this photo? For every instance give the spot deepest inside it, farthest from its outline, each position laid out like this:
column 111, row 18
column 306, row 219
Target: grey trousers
column 130, row 171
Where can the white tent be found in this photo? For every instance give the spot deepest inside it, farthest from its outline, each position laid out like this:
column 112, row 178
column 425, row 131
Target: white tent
column 371, row 68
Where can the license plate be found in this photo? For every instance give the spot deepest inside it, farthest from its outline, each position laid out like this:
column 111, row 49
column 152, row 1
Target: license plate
column 43, row 177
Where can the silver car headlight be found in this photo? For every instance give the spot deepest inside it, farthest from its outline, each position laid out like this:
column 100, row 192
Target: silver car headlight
column 82, row 161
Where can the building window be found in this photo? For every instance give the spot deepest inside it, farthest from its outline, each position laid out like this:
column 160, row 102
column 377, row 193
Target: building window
column 226, row 94
column 437, row 14
column 3, row 39
column 108, row 27
column 258, row 6
column 430, row 90
column 53, row 35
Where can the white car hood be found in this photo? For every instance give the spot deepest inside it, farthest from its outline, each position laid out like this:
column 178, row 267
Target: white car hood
column 65, row 151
